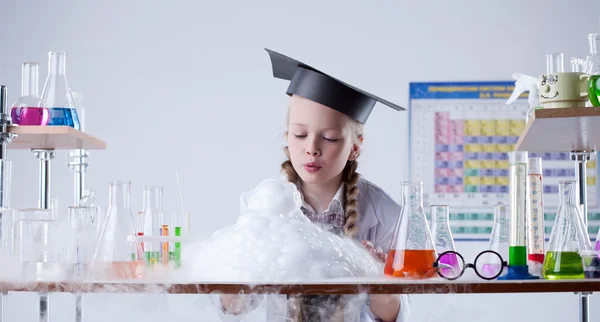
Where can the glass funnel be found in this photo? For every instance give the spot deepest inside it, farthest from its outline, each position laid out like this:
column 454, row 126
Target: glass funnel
column 26, row 110
column 412, row 252
column 567, row 238
column 115, row 256
column 57, row 96
column 443, row 241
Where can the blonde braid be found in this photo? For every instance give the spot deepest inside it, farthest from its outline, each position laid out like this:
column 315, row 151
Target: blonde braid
column 350, row 179
column 288, row 168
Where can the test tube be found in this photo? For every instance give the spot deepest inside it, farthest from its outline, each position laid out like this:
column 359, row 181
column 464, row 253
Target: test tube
column 554, row 63
column 575, row 64
column 164, row 231
column 181, row 224
column 535, row 218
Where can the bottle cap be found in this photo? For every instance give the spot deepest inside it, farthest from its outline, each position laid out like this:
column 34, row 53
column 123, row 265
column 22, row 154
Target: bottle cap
column 535, row 166
column 517, row 157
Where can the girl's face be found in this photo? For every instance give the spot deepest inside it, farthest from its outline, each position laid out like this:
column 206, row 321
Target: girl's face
column 320, row 141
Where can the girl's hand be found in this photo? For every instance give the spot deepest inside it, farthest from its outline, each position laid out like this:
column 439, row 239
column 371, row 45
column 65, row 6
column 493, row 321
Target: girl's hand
column 377, row 252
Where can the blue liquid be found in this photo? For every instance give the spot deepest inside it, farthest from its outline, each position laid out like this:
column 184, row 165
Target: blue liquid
column 60, row 116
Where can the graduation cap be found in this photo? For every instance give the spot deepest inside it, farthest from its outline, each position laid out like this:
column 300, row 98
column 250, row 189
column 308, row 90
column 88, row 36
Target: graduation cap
column 319, row 87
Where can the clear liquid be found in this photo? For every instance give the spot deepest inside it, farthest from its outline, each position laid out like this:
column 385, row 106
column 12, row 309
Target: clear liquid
column 535, row 236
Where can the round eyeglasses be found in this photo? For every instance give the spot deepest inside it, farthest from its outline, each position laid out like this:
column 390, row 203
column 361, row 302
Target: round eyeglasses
column 488, row 265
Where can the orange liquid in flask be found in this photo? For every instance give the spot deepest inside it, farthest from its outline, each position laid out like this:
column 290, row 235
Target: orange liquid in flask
column 411, row 264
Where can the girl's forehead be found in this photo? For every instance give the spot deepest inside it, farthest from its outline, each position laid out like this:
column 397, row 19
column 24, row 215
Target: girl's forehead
column 307, row 112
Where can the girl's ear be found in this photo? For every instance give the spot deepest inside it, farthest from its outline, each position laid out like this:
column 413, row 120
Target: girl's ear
column 354, row 152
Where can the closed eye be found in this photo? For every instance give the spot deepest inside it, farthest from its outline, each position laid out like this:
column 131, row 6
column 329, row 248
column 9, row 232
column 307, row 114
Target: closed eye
column 299, row 136
column 330, row 140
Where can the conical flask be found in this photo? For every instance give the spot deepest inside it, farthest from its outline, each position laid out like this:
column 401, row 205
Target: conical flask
column 26, row 110
column 152, row 213
column 443, row 241
column 567, row 238
column 115, row 255
column 499, row 240
column 597, row 243
column 412, row 253
column 57, row 96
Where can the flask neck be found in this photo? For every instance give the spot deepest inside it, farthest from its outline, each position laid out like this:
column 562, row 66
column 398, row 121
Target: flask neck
column 29, row 79
column 119, row 194
column 57, row 64
column 153, row 198
column 592, row 39
column 568, row 193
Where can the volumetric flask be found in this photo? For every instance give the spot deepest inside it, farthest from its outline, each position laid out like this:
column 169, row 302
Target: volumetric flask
column 412, row 253
column 443, row 241
column 114, row 256
column 487, row 265
column 567, row 238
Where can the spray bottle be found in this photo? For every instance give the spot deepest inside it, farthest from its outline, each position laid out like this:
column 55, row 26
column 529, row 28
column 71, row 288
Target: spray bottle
column 526, row 83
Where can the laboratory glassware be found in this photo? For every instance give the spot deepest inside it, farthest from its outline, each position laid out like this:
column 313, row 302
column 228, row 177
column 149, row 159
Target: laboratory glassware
column 114, row 256
column 78, row 100
column 83, row 239
column 518, row 192
column 487, row 265
column 443, row 241
column 57, row 96
column 152, row 213
column 535, row 217
column 554, row 63
column 500, row 240
column 412, row 252
column 26, row 110
column 597, row 242
column 89, row 201
column 593, row 60
column 181, row 224
column 567, row 238
column 591, row 263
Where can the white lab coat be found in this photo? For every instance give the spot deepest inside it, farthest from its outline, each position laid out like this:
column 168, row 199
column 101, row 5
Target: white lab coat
column 378, row 213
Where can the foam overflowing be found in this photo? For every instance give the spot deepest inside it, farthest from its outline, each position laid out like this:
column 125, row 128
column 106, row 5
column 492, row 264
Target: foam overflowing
column 272, row 241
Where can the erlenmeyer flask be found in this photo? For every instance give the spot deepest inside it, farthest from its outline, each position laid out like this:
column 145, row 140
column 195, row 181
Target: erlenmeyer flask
column 499, row 240
column 26, row 110
column 412, row 253
column 593, row 60
column 114, row 256
column 56, row 95
column 443, row 241
column 152, row 214
column 89, row 201
column 597, row 243
column 567, row 238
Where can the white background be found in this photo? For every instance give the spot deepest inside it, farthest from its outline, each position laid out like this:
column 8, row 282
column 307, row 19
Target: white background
column 188, row 85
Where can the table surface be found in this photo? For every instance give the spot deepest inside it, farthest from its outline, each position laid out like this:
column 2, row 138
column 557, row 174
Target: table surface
column 382, row 285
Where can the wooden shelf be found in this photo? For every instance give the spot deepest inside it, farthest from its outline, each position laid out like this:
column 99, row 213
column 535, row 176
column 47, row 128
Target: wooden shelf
column 53, row 137
column 561, row 130
column 436, row 286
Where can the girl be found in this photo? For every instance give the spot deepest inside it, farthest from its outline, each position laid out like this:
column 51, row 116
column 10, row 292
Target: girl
column 325, row 131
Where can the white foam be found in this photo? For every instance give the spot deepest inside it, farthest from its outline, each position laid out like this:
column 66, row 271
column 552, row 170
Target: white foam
column 272, row 241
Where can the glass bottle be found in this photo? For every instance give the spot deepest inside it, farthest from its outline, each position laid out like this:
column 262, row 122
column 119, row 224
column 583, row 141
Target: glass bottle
column 152, row 213
column 57, row 96
column 593, row 60
column 440, row 227
column 535, row 218
column 567, row 238
column 499, row 240
column 26, row 110
column 412, row 252
column 89, row 201
column 115, row 256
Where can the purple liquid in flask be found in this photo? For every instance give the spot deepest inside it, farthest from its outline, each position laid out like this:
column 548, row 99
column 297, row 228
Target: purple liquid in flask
column 30, row 115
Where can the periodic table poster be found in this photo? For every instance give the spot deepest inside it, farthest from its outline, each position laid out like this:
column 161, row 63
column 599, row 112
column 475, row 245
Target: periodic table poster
column 460, row 133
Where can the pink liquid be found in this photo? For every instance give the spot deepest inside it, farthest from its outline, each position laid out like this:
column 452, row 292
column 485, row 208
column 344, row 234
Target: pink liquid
column 450, row 266
column 490, row 270
column 597, row 245
column 30, row 115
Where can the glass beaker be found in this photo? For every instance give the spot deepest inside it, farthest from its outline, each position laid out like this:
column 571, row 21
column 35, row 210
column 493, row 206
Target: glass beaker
column 114, row 256
column 535, row 218
column 411, row 253
column 152, row 213
column 57, row 96
column 443, row 241
column 83, row 239
column 567, row 238
column 26, row 110
column 554, row 63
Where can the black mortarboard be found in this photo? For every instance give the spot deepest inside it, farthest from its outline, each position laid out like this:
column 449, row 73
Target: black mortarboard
column 319, row 87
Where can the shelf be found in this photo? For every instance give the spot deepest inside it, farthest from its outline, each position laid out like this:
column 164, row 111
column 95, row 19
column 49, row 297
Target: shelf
column 53, row 137
column 561, row 130
column 357, row 286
